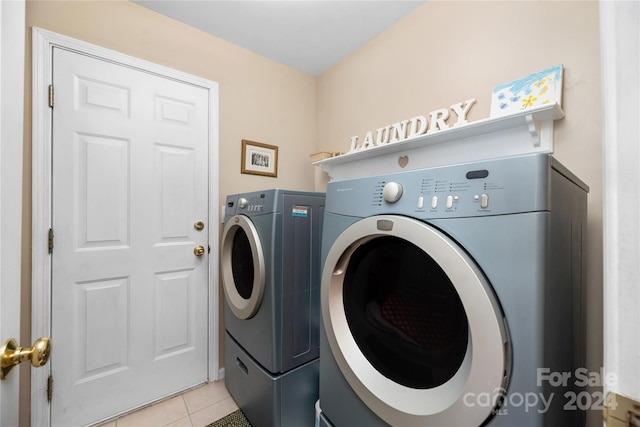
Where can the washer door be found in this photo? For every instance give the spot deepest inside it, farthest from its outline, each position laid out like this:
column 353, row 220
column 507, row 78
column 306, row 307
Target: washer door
column 413, row 324
column 242, row 266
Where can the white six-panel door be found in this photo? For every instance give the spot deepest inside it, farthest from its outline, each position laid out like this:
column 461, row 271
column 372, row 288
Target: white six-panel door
column 129, row 295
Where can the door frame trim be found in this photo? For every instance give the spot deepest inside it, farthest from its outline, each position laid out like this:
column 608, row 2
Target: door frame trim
column 43, row 43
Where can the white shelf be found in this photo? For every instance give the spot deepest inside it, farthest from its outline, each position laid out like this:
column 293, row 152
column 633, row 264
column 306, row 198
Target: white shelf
column 524, row 132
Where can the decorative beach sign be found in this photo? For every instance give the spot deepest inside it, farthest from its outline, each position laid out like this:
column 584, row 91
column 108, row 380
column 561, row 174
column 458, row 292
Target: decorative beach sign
column 541, row 88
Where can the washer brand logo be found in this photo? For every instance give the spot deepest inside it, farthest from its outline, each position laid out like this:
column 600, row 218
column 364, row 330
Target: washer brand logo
column 339, row 190
column 385, row 225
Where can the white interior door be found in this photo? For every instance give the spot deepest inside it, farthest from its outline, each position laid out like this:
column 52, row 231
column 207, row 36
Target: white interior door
column 11, row 96
column 129, row 295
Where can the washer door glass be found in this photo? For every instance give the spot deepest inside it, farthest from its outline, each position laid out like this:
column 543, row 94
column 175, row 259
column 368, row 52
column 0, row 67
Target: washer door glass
column 404, row 313
column 413, row 324
column 242, row 263
column 242, row 266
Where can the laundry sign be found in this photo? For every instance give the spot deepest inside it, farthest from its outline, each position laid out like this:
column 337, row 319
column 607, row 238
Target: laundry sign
column 413, row 127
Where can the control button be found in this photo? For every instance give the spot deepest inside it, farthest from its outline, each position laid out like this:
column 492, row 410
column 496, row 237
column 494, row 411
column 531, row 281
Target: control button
column 391, row 192
column 242, row 202
column 476, row 197
column 434, row 202
column 484, row 201
column 420, row 202
column 449, row 202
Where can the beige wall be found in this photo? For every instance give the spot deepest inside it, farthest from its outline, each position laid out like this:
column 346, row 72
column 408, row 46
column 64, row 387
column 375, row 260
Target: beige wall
column 448, row 51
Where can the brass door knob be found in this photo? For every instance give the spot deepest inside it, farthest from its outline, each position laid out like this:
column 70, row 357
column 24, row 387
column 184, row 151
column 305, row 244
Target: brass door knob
column 198, row 250
column 12, row 355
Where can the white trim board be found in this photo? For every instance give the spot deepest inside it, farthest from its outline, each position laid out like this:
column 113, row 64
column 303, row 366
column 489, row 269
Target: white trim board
column 620, row 50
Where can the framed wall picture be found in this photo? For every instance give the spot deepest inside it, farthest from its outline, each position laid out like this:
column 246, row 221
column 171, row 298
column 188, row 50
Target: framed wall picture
column 259, row 158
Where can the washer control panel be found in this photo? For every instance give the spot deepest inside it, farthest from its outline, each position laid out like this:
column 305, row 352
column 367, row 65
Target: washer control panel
column 491, row 187
column 437, row 194
column 249, row 203
column 256, row 204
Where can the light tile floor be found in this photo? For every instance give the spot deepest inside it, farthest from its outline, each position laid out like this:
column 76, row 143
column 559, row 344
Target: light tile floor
column 197, row 407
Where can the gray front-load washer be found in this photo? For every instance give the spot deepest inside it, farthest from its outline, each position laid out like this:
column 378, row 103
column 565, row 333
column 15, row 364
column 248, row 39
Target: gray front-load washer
column 449, row 294
column 270, row 268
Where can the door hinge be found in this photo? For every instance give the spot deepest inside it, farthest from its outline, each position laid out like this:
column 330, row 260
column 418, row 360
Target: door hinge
column 49, row 388
column 51, row 96
column 51, row 240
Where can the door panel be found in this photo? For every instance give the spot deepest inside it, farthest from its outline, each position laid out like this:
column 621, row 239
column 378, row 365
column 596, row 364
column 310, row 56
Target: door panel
column 102, row 204
column 129, row 296
column 101, row 306
column 422, row 311
column 244, row 284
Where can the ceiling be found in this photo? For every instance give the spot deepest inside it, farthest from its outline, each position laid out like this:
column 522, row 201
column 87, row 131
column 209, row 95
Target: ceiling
column 308, row 35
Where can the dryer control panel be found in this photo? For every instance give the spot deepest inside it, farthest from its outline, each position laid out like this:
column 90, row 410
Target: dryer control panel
column 492, row 187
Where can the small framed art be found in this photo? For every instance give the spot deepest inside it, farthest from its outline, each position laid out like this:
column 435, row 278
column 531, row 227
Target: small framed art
column 259, row 158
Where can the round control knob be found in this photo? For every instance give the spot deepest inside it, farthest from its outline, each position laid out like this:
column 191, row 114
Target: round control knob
column 242, row 202
column 391, row 192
